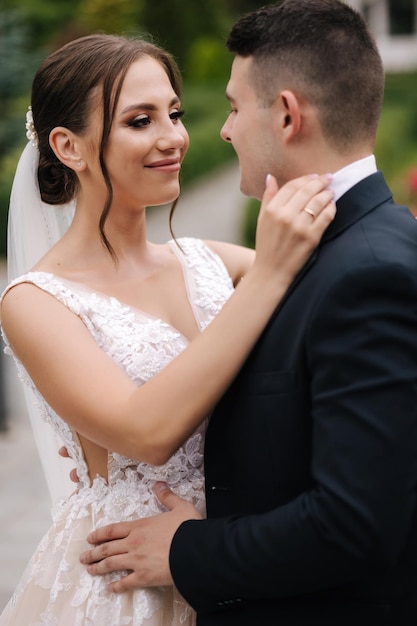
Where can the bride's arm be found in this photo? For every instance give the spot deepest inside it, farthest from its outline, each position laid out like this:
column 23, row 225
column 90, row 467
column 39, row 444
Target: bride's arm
column 87, row 389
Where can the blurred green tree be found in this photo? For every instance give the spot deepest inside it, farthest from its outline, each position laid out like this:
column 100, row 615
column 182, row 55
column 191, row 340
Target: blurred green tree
column 46, row 19
column 176, row 24
column 239, row 7
column 207, row 60
column 15, row 73
column 110, row 16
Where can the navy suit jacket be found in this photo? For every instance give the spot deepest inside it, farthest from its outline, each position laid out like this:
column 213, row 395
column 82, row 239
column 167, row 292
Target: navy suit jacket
column 311, row 455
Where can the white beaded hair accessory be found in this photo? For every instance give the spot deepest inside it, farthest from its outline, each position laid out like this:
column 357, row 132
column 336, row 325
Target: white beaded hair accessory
column 31, row 133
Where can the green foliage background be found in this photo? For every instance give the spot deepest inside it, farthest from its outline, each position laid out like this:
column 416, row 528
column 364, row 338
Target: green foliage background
column 194, row 32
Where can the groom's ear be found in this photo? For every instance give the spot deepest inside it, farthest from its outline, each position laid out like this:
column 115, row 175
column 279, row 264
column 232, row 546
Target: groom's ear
column 65, row 146
column 289, row 114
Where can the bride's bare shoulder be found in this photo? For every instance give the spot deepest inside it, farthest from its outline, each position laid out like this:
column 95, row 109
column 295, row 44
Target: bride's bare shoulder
column 236, row 258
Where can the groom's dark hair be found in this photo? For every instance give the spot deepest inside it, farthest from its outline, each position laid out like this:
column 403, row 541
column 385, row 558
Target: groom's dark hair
column 323, row 51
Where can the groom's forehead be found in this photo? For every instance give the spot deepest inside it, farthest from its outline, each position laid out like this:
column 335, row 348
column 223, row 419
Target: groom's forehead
column 240, row 85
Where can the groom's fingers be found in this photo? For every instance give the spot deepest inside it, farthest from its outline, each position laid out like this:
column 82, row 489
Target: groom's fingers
column 120, row 530
column 182, row 509
column 124, row 538
column 126, row 583
column 178, row 508
column 102, row 551
column 165, row 496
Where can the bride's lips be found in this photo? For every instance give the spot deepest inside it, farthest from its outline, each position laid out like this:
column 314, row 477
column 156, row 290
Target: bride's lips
column 165, row 165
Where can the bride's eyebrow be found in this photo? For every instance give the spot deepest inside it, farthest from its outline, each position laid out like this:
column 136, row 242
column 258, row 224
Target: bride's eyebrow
column 147, row 106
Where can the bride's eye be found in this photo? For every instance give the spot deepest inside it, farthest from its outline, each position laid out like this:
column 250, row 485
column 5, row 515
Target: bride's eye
column 139, row 122
column 176, row 115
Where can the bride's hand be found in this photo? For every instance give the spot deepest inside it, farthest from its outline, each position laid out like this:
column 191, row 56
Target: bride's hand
column 291, row 222
column 73, row 473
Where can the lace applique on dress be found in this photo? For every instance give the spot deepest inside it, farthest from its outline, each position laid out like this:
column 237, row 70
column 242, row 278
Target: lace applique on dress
column 55, row 588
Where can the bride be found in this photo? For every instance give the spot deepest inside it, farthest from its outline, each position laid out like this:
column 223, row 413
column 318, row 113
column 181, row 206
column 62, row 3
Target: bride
column 104, row 310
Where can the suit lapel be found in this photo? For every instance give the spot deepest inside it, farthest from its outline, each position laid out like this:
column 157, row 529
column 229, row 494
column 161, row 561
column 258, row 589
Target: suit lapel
column 360, row 200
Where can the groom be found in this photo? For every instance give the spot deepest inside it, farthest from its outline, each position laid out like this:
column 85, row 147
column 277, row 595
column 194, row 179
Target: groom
column 311, row 456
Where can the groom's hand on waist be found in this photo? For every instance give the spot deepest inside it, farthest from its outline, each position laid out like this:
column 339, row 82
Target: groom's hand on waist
column 141, row 546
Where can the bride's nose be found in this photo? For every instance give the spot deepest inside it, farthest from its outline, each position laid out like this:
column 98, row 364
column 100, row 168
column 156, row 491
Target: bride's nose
column 172, row 137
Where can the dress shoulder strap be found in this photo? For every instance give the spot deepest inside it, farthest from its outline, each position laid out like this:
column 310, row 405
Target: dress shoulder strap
column 208, row 282
column 56, row 286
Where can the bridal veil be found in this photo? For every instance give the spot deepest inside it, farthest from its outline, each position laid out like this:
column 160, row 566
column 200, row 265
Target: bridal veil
column 33, row 228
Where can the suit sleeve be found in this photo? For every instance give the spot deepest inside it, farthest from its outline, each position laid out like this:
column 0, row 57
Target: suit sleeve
column 361, row 347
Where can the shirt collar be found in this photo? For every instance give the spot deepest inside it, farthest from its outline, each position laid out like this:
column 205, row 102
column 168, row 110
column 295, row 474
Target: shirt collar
column 350, row 175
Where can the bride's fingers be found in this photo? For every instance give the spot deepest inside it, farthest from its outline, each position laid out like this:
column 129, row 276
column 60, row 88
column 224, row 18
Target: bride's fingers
column 74, row 476
column 271, row 188
column 312, row 194
column 323, row 218
column 305, row 199
column 316, row 205
column 63, row 452
column 296, row 192
column 291, row 223
column 285, row 204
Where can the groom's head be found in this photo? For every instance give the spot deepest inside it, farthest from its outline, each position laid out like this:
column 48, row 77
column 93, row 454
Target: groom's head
column 306, row 90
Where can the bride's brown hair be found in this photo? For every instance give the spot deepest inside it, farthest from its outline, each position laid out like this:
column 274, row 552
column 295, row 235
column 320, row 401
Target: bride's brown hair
column 61, row 96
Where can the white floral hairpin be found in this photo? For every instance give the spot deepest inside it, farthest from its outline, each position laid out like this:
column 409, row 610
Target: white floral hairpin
column 31, row 133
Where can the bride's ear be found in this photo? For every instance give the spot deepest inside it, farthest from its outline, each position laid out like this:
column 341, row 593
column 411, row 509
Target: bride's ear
column 65, row 146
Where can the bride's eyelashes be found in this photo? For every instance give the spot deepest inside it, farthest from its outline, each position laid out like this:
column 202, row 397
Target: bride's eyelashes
column 141, row 121
column 177, row 115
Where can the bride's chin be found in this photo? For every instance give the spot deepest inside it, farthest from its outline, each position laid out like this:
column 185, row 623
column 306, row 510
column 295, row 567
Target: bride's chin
column 162, row 203
column 167, row 199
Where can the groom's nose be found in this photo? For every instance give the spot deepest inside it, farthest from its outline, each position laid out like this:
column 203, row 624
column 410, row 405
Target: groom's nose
column 225, row 131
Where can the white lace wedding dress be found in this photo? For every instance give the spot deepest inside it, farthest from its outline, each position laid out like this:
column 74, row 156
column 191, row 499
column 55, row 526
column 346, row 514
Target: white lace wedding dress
column 55, row 589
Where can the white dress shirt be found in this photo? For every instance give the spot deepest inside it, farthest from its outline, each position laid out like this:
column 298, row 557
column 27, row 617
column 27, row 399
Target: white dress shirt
column 348, row 176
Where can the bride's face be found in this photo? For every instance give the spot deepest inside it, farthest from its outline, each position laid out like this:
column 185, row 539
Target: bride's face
column 147, row 141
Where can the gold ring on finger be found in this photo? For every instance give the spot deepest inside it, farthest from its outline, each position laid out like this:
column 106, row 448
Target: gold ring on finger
column 310, row 212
